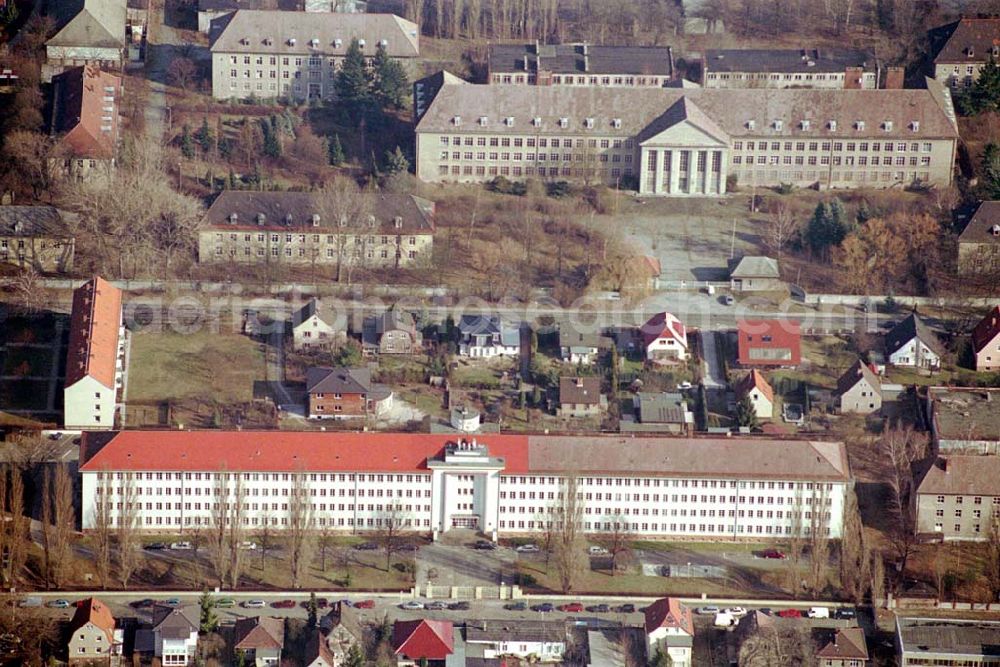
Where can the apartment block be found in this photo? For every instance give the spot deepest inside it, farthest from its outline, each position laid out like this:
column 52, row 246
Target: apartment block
column 946, row 642
column 501, row 484
column 296, row 55
column 790, row 68
column 957, row 496
column 36, row 236
column 580, row 64
column 961, row 48
column 688, row 142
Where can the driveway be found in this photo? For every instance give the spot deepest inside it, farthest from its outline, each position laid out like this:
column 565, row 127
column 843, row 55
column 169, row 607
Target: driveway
column 713, row 378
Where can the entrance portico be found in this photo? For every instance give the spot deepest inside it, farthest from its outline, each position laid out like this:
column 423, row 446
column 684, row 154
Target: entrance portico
column 683, row 152
column 465, row 489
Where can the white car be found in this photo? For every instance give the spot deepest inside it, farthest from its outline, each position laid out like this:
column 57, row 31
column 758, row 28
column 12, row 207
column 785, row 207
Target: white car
column 597, row 551
column 180, row 546
column 412, row 604
column 249, row 546
column 684, row 385
column 819, row 612
column 254, row 604
column 737, row 612
column 528, row 549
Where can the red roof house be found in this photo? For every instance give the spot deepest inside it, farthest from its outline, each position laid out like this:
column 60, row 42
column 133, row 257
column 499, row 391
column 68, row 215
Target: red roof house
column 755, row 385
column 986, row 341
column 431, row 640
column 664, row 337
column 769, row 343
column 92, row 632
column 670, row 629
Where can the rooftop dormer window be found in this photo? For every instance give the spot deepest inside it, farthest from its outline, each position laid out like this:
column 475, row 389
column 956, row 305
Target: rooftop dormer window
column 778, row 124
column 536, row 121
column 751, row 124
column 589, row 123
column 483, row 121
column 804, row 125
column 616, row 123
column 564, row 122
column 859, row 125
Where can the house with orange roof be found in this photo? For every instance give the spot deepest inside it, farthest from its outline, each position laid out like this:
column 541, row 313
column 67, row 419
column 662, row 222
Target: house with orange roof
column 664, row 338
column 422, row 641
column 95, row 359
column 986, row 342
column 92, row 633
column 669, row 629
column 260, row 639
column 755, row 385
column 85, row 107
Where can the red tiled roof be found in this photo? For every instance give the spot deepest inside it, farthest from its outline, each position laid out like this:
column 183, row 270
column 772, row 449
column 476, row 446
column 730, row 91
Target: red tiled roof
column 987, row 330
column 433, row 640
column 92, row 610
column 259, row 632
column 669, row 613
column 317, row 648
column 845, row 644
column 754, row 379
column 83, row 111
column 273, row 451
column 663, row 325
column 769, row 342
column 93, row 335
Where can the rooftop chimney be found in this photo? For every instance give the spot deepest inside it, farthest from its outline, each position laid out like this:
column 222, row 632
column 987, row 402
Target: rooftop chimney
column 893, row 78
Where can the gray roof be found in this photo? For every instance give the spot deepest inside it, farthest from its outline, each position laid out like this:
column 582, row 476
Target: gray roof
column 32, row 221
column 338, row 380
column 755, row 267
column 857, row 372
column 263, row 31
column 581, row 341
column 233, row 5
column 394, row 319
column 514, row 630
column 175, row 622
column 788, row 60
column 294, row 211
column 661, row 408
column 948, row 636
column 910, row 328
column 472, row 325
column 965, row 414
column 305, row 312
column 730, row 109
column 950, row 43
column 91, row 23
column 580, row 59
column 984, row 226
column 960, row 475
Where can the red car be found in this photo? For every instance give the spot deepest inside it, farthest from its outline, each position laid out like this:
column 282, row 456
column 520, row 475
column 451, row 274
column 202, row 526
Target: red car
column 572, row 606
column 790, row 613
column 283, row 604
column 364, row 604
column 773, row 553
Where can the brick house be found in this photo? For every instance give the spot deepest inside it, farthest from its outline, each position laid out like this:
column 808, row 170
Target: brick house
column 345, row 393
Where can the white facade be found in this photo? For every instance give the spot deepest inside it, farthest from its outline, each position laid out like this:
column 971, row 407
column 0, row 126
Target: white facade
column 175, row 651
column 679, row 651
column 312, row 332
column 543, row 651
column 88, row 404
column 762, row 405
column 915, row 354
column 667, row 346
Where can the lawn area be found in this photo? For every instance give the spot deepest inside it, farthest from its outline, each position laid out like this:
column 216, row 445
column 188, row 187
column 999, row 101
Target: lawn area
column 824, row 359
column 482, row 374
column 429, row 400
column 909, row 376
column 180, row 367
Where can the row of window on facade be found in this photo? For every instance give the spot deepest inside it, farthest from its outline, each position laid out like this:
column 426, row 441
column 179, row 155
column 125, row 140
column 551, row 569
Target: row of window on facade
column 761, row 176
column 976, row 514
column 265, row 477
column 254, row 491
column 836, row 160
column 672, row 528
column 709, row 513
column 590, row 80
column 286, row 61
column 836, row 146
column 772, row 76
column 536, row 157
column 330, row 253
column 301, row 238
column 540, row 142
column 339, row 522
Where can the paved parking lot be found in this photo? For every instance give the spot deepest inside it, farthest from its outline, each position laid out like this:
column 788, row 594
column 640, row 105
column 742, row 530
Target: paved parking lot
column 460, row 565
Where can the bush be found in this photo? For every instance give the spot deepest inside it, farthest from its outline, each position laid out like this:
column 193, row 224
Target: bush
column 558, row 189
column 785, row 189
column 505, row 186
column 732, row 183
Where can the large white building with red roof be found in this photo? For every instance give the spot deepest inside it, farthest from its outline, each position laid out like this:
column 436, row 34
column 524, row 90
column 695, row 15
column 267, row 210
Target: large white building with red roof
column 95, row 360
column 503, row 484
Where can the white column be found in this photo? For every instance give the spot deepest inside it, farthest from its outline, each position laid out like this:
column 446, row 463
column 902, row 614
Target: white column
column 675, row 163
column 707, row 172
column 723, row 160
column 658, row 176
column 488, row 521
column 437, row 503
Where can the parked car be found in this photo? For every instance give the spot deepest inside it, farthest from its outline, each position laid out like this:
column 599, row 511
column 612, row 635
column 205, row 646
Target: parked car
column 58, row 604
column 180, row 546
column 172, row 602
column 155, row 546
column 437, row 605
column 225, row 603
column 249, row 546
column 515, row 606
column 738, row 612
column 527, row 549
column 727, row 299
column 845, row 614
column 459, row 606
column 30, row 602
column 366, row 546
column 709, row 610
column 283, row 604
column 546, row 606
column 408, row 547
column 484, row 545
column 724, row 620
column 322, row 603
column 254, row 604
column 790, row 613
column 627, row 608
column 765, row 610
column 683, row 386
column 364, row 604
column 143, row 603
column 599, row 609
column 819, row 612
column 571, row 607
column 412, row 605
column 597, row 551
column 773, row 553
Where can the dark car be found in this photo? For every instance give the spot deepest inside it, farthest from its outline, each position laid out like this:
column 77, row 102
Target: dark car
column 459, row 606
column 846, row 614
column 515, row 606
column 484, row 545
column 140, row 604
column 435, row 606
column 773, row 553
column 599, row 609
column 546, row 606
column 364, row 604
column 283, row 604
column 408, row 547
column 627, row 608
column 790, row 613
column 321, row 603
column 765, row 610
column 366, row 546
column 155, row 546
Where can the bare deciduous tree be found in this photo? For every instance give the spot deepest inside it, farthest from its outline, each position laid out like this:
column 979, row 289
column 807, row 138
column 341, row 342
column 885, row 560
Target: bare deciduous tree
column 781, row 225
column 103, row 528
column 14, row 533
column 182, row 72
column 218, row 536
column 854, row 556
column 236, row 529
column 127, row 530
column 785, row 645
column 819, row 537
column 569, row 553
column 991, row 561
column 900, row 447
column 300, row 527
column 389, row 527
column 616, row 537
column 877, row 573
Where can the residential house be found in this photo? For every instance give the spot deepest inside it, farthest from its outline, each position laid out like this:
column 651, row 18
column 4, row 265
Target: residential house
column 345, row 393
column 658, row 412
column 254, row 228
column 95, row 358
column 580, row 347
column 540, row 641
column 664, row 338
column 769, row 343
column 36, row 237
column 318, row 652
column 310, row 331
column 833, row 68
column 391, row 332
column 841, row 647
column 956, row 495
column 487, row 336
column 755, row 386
column 580, row 64
column 961, row 48
column 92, row 633
column 581, row 397
column 422, row 640
column 964, row 420
column 260, row 640
column 687, row 142
column 86, row 32
column 85, row 121
column 979, row 242
column 912, row 344
column 859, row 390
column 946, row 641
column 669, row 628
column 986, row 341
column 296, row 55
column 755, row 274
column 175, row 634
column 495, row 468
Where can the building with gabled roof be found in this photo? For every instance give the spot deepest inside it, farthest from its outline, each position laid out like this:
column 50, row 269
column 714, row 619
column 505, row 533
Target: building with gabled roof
column 175, row 634
column 859, row 390
column 955, row 496
column 312, row 331
column 669, row 628
column 911, row 343
column 755, row 386
column 296, row 55
column 979, row 242
column 769, row 343
column 960, row 49
column 391, row 332
column 318, row 653
column 580, row 347
column 345, row 393
column 841, row 647
column 986, row 341
column 260, row 639
column 834, row 68
column 580, row 396
column 84, row 119
column 430, row 640
column 664, row 338
column 487, row 336
column 36, row 236
column 946, row 641
column 658, row 412
column 544, row 641
column 95, row 358
column 86, row 32
column 92, row 633
column 754, row 274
